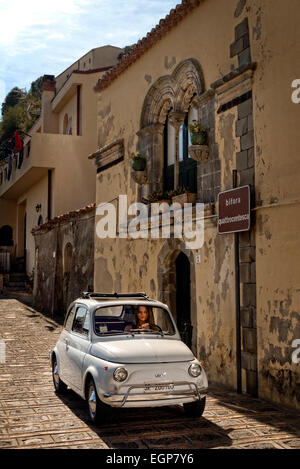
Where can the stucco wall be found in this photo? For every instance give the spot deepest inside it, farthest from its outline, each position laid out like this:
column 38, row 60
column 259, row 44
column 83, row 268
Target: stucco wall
column 56, row 284
column 37, row 195
column 276, row 43
column 206, row 35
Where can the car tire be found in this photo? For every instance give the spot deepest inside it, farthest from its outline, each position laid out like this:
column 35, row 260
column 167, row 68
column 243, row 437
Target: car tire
column 98, row 411
column 59, row 386
column 195, row 409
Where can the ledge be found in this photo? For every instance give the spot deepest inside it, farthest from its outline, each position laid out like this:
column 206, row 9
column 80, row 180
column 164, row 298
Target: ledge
column 109, row 155
column 233, row 74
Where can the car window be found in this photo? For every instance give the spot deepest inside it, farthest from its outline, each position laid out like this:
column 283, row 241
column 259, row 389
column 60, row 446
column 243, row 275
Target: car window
column 124, row 319
column 81, row 321
column 69, row 318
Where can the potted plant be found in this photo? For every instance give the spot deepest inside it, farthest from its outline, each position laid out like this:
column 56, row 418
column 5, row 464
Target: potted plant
column 139, row 163
column 199, row 139
column 199, row 134
column 183, row 195
column 158, row 197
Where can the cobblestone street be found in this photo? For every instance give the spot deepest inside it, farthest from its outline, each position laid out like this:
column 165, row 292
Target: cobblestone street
column 32, row 416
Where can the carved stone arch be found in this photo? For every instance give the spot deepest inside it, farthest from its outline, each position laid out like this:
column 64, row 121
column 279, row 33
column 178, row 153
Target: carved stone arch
column 189, row 82
column 176, row 92
column 158, row 101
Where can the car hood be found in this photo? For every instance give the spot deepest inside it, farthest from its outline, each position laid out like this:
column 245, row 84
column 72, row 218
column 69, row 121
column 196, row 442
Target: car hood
column 142, row 350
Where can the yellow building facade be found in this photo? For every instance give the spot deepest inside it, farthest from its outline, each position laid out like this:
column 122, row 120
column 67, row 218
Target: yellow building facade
column 230, row 65
column 55, row 176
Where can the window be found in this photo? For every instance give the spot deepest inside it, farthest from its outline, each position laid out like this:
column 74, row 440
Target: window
column 124, row 319
column 176, row 153
column 6, row 236
column 169, row 155
column 183, row 140
column 69, row 127
column 69, row 318
column 81, row 322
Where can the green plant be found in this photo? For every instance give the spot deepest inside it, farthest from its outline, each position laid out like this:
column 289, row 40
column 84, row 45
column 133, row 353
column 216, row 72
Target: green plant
column 156, row 197
column 180, row 190
column 139, row 161
column 199, row 133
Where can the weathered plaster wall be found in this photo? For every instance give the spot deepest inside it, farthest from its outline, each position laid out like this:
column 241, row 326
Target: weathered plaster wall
column 275, row 38
column 270, row 278
column 139, row 265
column 56, row 283
column 36, row 195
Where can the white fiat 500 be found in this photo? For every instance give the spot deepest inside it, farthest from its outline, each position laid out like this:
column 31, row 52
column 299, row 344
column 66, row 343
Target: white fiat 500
column 124, row 350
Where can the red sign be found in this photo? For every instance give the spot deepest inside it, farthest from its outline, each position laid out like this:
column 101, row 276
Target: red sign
column 234, row 210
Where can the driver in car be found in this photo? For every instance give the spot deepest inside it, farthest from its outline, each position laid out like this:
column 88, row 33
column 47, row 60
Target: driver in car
column 144, row 319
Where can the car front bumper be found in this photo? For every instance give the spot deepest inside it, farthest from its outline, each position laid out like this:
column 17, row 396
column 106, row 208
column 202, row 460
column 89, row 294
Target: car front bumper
column 136, row 396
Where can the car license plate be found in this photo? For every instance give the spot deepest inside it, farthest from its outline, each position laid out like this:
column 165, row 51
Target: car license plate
column 158, row 387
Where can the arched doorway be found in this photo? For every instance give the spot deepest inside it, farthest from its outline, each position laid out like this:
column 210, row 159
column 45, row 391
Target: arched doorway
column 177, row 288
column 183, row 298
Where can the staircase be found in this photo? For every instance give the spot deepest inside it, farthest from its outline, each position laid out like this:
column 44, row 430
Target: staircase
column 17, row 282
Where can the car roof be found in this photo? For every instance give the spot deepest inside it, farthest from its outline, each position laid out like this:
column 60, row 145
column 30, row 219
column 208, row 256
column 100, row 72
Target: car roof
column 93, row 303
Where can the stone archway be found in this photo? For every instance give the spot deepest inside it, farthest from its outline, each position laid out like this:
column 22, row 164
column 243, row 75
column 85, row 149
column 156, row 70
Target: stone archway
column 166, row 274
column 171, row 95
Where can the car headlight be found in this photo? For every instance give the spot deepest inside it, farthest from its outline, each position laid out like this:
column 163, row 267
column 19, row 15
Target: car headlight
column 195, row 370
column 120, row 374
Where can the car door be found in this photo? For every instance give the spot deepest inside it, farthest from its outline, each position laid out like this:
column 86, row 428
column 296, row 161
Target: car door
column 63, row 343
column 78, row 346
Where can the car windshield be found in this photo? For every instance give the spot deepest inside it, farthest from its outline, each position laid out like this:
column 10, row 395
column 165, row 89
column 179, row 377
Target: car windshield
column 132, row 319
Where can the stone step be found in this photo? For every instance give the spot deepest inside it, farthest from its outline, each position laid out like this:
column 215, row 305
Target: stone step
column 17, row 284
column 12, row 289
column 15, row 276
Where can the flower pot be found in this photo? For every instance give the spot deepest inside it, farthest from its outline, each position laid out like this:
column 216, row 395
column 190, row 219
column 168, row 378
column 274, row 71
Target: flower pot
column 187, row 197
column 199, row 152
column 154, row 208
column 140, row 177
column 199, row 138
column 139, row 164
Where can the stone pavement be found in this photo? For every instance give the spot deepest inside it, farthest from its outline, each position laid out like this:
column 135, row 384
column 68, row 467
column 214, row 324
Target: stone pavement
column 32, row 416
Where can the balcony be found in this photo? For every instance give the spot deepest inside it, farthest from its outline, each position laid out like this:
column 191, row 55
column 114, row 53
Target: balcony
column 48, row 151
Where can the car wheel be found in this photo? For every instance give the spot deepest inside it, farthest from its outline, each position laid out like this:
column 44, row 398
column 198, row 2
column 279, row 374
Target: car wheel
column 195, row 409
column 97, row 410
column 59, row 385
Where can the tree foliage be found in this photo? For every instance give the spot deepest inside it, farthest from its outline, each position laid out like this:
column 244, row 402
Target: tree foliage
column 20, row 110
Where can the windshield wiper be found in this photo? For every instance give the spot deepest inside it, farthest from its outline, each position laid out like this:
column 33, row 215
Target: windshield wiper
column 151, row 331
column 114, row 332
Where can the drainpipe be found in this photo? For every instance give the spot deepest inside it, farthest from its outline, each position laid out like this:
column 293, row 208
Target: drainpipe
column 237, row 301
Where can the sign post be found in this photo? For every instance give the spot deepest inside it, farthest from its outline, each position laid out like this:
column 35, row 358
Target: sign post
column 234, row 217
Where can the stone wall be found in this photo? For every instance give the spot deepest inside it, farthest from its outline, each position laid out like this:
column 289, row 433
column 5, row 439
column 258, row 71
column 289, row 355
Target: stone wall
column 64, row 260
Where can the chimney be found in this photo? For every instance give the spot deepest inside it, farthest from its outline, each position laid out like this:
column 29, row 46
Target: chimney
column 48, row 83
column 49, row 119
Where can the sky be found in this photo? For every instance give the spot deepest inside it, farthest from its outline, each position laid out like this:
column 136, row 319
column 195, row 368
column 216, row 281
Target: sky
column 39, row 37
